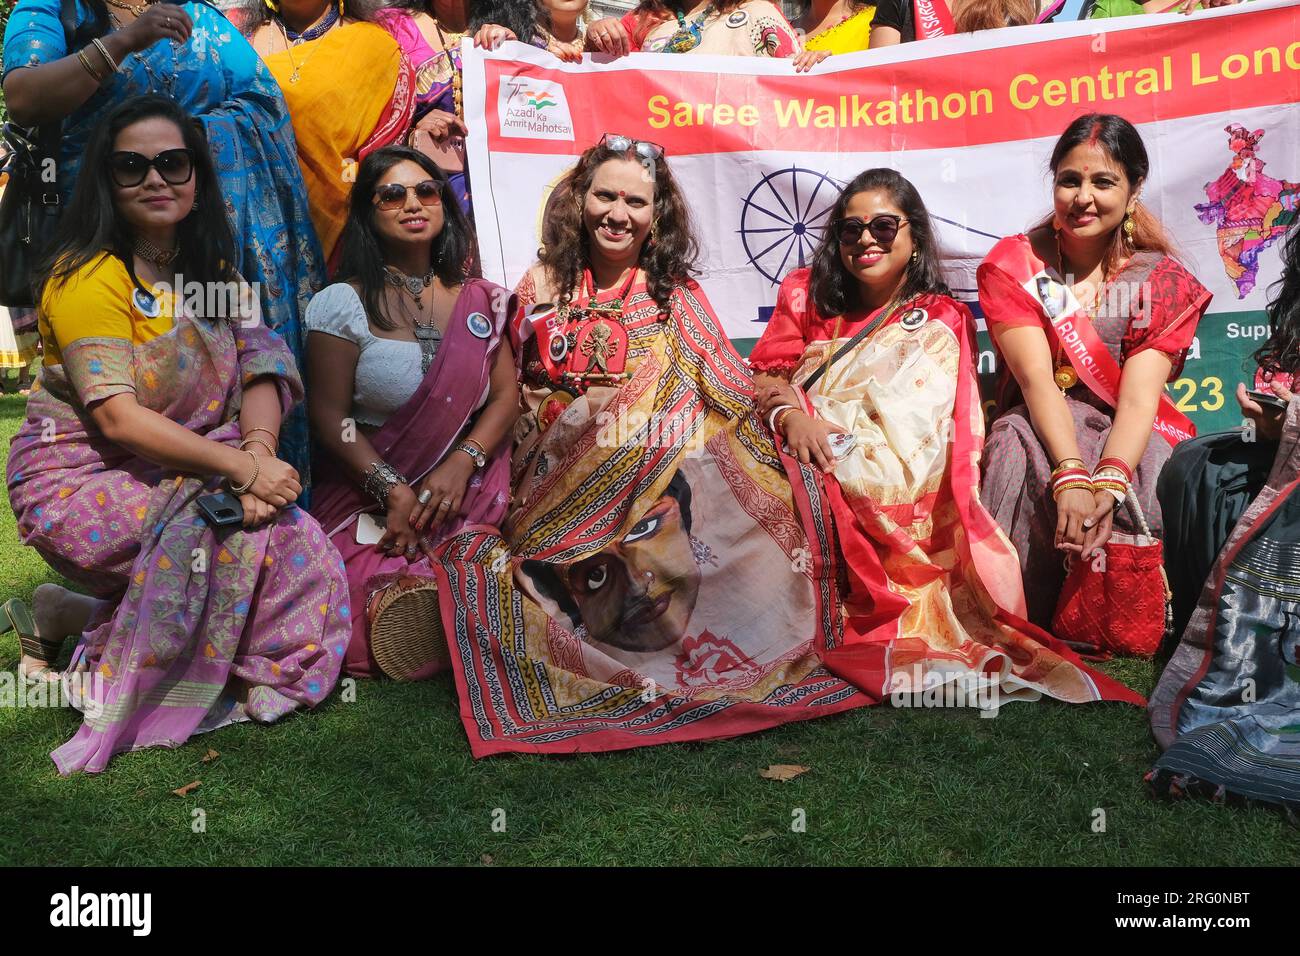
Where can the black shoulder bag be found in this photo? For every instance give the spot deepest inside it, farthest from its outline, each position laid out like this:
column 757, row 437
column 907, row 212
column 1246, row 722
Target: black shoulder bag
column 30, row 208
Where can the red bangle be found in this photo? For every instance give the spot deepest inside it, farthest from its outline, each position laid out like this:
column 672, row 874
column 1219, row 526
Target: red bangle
column 1119, row 464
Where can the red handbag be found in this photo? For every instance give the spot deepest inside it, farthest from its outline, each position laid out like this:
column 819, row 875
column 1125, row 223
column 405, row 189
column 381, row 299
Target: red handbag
column 1120, row 602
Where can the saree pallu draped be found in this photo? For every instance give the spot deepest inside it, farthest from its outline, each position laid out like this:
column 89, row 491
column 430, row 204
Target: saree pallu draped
column 661, row 579
column 218, row 78
column 1226, row 710
column 934, row 594
column 349, row 93
column 195, row 614
column 415, row 440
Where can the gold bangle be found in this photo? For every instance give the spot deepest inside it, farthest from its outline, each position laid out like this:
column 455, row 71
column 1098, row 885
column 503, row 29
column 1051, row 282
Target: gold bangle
column 780, row 420
column 85, row 61
column 476, row 444
column 258, row 428
column 103, row 51
column 249, row 441
column 257, row 470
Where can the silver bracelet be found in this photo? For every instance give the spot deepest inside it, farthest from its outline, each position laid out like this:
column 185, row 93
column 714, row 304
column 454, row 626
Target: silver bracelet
column 380, row 479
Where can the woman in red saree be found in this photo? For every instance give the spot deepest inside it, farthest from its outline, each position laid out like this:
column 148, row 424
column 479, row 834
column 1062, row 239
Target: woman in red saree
column 1091, row 316
column 866, row 371
column 412, row 397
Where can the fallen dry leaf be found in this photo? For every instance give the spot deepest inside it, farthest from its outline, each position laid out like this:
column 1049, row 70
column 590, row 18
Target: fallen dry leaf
column 755, row 837
column 486, row 859
column 211, row 755
column 783, row 771
column 189, row 788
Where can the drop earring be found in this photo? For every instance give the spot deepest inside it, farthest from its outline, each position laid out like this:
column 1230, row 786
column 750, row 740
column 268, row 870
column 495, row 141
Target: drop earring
column 272, row 6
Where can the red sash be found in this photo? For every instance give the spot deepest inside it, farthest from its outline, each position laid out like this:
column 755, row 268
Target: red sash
column 932, row 19
column 1070, row 326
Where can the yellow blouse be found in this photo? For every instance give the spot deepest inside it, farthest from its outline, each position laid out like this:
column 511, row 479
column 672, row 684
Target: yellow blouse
column 847, row 36
column 100, row 301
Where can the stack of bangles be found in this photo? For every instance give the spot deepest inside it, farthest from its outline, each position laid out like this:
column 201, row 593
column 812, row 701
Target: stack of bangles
column 257, row 464
column 1113, row 475
column 1069, row 475
column 776, row 418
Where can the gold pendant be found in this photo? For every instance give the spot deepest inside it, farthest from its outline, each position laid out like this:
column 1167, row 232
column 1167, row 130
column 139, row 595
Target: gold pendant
column 1065, row 377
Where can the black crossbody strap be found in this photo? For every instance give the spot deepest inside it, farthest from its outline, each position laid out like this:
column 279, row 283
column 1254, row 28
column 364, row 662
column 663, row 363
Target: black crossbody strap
column 861, row 334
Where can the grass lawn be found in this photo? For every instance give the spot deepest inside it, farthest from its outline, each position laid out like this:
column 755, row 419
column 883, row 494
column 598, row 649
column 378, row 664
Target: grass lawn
column 388, row 779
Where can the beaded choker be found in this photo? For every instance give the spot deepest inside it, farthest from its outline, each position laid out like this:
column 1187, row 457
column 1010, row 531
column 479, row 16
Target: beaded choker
column 147, row 251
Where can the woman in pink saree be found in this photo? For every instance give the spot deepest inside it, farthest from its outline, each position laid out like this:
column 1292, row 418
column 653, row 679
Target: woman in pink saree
column 413, row 396
column 150, row 397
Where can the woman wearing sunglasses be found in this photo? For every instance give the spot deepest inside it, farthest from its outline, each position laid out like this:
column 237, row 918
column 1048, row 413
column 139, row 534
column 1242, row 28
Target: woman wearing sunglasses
column 1091, row 316
column 192, row 53
column 866, row 372
column 160, row 386
column 412, row 399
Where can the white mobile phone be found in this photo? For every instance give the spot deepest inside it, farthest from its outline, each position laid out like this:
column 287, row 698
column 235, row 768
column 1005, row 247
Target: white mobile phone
column 842, row 444
column 369, row 529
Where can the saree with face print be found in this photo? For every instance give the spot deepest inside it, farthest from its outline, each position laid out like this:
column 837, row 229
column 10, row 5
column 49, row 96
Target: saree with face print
column 415, row 440
column 1226, row 710
column 201, row 626
column 218, row 79
column 934, row 597
column 660, row 578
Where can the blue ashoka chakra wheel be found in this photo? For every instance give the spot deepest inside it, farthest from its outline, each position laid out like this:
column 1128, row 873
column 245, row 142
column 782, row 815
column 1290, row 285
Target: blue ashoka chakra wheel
column 783, row 218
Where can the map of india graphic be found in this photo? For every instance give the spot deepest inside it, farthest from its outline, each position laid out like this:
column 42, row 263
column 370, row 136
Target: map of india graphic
column 1249, row 210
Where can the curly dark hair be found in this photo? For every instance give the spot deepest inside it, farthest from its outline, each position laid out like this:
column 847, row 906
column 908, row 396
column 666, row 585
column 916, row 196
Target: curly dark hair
column 205, row 241
column 834, row 290
column 668, row 261
column 1281, row 352
column 362, row 258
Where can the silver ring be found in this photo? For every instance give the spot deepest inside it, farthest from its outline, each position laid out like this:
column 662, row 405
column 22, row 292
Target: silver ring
column 411, row 549
column 446, row 503
column 425, row 496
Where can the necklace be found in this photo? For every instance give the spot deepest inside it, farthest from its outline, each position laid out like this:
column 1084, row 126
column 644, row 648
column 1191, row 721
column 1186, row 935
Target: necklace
column 562, row 47
column 413, row 285
column 1065, row 375
column 135, row 8
column 315, row 31
column 688, row 36
column 427, row 335
column 457, row 78
column 296, row 68
column 147, row 251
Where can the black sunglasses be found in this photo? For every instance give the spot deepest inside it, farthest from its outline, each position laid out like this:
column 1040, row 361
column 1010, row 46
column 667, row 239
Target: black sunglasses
column 883, row 228
column 393, row 195
column 175, row 166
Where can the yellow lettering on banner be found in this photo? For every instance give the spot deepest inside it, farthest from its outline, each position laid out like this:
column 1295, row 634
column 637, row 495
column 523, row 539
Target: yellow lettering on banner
column 788, row 110
column 1016, row 101
column 658, row 111
column 747, row 115
column 1234, row 66
column 1293, row 56
column 825, row 117
column 886, row 115
column 1197, row 78
column 1054, row 93
column 1148, row 82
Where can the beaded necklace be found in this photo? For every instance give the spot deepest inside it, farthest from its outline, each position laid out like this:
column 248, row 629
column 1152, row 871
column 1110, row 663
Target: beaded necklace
column 688, row 35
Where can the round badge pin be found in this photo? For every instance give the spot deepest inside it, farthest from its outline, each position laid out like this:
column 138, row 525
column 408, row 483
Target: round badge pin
column 147, row 304
column 559, row 347
column 914, row 319
column 738, row 19
column 479, row 325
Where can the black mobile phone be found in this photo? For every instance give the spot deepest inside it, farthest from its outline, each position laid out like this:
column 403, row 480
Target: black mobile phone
column 1267, row 399
column 221, row 510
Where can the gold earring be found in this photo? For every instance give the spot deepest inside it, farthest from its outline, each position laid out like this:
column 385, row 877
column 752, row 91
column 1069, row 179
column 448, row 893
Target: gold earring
column 272, row 6
column 1128, row 228
column 915, row 255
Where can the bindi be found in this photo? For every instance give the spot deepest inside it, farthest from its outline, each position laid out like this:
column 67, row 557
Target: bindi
column 622, row 194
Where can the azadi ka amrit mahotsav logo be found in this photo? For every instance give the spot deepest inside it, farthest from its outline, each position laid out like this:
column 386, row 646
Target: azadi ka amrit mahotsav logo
column 534, row 109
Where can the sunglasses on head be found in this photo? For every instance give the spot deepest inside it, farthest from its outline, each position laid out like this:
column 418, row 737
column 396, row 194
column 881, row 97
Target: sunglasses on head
column 621, row 144
column 175, row 166
column 393, row 195
column 883, row 228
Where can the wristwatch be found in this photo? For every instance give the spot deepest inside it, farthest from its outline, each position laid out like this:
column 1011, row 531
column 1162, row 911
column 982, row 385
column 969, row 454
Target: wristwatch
column 474, row 452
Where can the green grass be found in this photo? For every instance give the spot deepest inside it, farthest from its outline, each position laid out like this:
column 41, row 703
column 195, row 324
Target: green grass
column 388, row 779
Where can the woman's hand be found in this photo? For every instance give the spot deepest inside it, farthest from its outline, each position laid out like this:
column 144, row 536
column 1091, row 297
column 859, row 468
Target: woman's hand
column 399, row 538
column 1073, row 508
column 770, row 394
column 807, row 438
column 609, row 36
column 492, row 35
column 1268, row 421
column 442, row 125
column 256, row 511
column 277, row 481
column 161, row 21
column 806, row 60
column 446, row 487
column 1098, row 525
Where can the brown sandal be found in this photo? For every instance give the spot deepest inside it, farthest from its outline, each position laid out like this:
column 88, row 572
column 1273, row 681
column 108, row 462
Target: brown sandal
column 17, row 617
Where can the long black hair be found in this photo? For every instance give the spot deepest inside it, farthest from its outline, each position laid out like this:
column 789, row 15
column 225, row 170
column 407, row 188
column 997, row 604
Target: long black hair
column 835, row 290
column 362, row 258
column 1281, row 352
column 91, row 224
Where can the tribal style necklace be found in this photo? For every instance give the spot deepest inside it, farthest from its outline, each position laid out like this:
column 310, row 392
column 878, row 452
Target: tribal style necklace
column 317, row 30
column 427, row 335
column 450, row 43
column 133, row 8
column 688, row 35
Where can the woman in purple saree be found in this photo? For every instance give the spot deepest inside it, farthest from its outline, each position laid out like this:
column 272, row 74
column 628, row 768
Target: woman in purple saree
column 413, row 395
column 149, row 397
